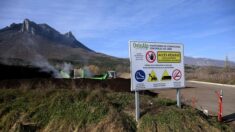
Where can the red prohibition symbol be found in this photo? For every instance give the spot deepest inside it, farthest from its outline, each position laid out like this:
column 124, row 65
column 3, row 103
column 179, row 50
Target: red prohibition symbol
column 150, row 56
column 176, row 74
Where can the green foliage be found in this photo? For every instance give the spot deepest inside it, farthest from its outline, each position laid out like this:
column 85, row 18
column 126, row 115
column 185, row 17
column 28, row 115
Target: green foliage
column 128, row 122
column 148, row 123
column 165, row 102
column 120, row 100
column 185, row 119
column 40, row 109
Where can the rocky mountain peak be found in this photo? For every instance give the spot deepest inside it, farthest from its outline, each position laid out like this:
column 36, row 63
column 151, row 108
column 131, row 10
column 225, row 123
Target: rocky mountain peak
column 43, row 32
column 28, row 26
column 69, row 35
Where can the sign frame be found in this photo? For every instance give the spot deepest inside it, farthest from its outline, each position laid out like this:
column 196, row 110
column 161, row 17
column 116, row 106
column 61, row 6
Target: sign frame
column 140, row 77
column 147, row 43
column 137, row 97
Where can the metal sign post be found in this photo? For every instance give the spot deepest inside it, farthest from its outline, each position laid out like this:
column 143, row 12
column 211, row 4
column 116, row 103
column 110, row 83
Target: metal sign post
column 178, row 97
column 137, row 105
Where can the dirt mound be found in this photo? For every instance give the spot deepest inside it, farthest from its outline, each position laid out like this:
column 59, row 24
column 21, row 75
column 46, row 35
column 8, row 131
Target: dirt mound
column 119, row 85
column 20, row 72
column 125, row 75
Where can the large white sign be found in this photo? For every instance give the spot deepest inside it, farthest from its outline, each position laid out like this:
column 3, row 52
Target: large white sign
column 156, row 65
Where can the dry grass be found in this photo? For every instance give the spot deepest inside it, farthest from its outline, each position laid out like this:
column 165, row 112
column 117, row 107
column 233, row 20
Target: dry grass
column 93, row 109
column 211, row 74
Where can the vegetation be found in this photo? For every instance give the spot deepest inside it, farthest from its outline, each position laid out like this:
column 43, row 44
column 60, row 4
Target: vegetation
column 99, row 109
column 211, row 74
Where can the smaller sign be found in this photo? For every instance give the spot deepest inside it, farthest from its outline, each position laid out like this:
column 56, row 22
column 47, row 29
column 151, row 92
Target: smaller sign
column 176, row 74
column 166, row 76
column 140, row 75
column 168, row 57
column 152, row 77
column 150, row 56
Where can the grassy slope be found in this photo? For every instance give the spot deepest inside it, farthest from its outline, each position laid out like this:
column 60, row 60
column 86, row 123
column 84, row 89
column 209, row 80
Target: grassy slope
column 95, row 110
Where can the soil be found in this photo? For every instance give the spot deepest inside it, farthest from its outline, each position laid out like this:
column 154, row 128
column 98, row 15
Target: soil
column 20, row 72
column 117, row 85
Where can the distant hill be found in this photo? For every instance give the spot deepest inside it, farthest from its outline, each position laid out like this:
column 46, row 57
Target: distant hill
column 29, row 43
column 206, row 62
column 30, row 30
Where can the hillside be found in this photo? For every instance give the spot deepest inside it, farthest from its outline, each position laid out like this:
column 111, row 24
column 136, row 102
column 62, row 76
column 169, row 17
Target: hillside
column 40, row 45
column 31, row 42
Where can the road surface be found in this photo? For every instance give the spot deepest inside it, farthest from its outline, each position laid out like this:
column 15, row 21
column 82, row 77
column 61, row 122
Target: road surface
column 204, row 97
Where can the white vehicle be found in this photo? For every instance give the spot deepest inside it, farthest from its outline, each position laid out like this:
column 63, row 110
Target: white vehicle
column 112, row 74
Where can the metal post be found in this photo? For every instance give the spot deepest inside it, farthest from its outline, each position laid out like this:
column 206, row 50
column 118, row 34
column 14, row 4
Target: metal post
column 220, row 105
column 220, row 101
column 137, row 106
column 178, row 97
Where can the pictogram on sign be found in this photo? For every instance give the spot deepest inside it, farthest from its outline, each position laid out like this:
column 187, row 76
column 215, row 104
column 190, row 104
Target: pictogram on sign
column 152, row 77
column 150, row 56
column 140, row 75
column 176, row 74
column 166, row 76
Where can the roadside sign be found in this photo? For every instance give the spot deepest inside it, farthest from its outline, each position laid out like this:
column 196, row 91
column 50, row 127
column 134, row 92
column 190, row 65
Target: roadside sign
column 156, row 65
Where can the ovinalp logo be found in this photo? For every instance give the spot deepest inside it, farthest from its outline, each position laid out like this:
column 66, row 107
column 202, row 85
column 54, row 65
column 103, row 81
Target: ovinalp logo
column 140, row 45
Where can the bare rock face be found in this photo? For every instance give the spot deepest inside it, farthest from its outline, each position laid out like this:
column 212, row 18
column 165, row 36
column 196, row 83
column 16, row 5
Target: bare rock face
column 28, row 26
column 44, row 31
column 69, row 35
column 36, row 43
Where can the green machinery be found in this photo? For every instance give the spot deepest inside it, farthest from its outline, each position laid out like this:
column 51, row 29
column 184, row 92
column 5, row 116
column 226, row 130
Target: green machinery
column 84, row 73
column 100, row 77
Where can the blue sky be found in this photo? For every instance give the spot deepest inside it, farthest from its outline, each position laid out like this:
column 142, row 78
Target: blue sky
column 205, row 27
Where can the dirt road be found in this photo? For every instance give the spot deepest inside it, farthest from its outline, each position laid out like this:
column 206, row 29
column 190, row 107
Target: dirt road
column 205, row 98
